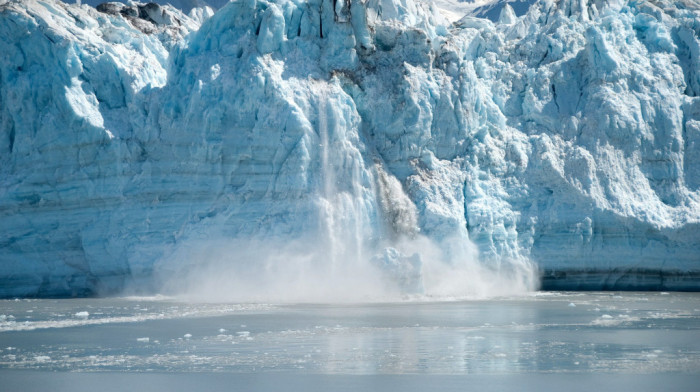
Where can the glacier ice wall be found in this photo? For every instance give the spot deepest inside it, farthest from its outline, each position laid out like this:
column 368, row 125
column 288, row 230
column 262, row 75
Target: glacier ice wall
column 335, row 143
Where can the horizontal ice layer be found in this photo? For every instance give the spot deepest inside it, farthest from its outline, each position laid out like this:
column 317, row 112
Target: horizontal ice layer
column 568, row 136
column 72, row 80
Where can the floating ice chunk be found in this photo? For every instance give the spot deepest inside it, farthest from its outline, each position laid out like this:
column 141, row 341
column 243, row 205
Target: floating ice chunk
column 187, row 335
column 82, row 315
column 143, row 340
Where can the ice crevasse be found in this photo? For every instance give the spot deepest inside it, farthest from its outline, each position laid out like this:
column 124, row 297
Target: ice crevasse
column 294, row 149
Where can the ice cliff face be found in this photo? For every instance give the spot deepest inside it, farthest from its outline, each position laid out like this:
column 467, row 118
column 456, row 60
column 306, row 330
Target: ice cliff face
column 72, row 78
column 349, row 141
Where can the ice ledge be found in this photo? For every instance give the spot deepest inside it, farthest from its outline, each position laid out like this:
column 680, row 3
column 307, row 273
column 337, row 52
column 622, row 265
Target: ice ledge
column 635, row 279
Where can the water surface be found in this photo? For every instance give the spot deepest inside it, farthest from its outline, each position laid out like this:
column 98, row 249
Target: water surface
column 644, row 338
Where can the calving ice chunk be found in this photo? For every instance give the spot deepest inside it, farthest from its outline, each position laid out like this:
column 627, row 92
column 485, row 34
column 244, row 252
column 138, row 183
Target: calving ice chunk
column 306, row 150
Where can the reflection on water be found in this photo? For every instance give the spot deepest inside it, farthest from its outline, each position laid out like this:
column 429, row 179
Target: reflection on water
column 545, row 332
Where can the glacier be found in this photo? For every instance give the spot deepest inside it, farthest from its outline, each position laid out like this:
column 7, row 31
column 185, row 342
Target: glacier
column 354, row 148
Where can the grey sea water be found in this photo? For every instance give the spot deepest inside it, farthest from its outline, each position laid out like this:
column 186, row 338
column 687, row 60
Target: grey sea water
column 543, row 341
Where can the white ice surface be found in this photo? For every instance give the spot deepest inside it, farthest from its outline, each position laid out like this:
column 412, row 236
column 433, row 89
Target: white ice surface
column 371, row 148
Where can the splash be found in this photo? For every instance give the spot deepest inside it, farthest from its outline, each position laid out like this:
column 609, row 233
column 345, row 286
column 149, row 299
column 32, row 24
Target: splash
column 279, row 271
column 365, row 245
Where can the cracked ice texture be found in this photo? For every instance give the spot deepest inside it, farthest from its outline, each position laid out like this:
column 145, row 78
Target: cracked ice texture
column 569, row 136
